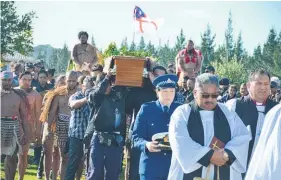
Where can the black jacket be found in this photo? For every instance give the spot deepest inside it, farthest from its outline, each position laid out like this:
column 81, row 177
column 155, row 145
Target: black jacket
column 106, row 108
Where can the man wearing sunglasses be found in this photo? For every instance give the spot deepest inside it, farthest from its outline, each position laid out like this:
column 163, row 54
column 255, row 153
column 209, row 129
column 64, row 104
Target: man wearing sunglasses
column 207, row 140
column 253, row 108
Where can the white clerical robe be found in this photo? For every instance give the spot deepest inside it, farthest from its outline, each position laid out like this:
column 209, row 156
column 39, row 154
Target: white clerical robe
column 266, row 160
column 231, row 104
column 187, row 152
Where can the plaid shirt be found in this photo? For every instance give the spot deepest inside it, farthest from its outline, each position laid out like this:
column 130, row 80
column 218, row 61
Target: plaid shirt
column 79, row 118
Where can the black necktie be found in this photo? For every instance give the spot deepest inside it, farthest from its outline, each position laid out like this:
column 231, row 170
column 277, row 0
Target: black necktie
column 166, row 109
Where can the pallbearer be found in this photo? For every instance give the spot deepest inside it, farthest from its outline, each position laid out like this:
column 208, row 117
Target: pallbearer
column 154, row 118
column 208, row 141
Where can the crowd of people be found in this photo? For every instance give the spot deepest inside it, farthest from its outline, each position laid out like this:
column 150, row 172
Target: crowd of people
column 181, row 124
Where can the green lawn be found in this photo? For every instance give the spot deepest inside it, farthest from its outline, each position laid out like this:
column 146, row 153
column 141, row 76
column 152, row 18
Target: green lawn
column 31, row 172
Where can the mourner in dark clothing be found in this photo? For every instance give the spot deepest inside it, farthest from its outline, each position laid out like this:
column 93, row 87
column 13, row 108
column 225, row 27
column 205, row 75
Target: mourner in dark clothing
column 230, row 95
column 107, row 129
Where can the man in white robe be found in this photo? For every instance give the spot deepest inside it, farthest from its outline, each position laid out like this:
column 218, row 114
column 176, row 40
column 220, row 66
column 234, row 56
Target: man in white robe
column 266, row 160
column 253, row 108
column 192, row 130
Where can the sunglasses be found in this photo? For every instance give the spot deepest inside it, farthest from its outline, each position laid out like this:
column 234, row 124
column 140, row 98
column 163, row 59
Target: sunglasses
column 206, row 96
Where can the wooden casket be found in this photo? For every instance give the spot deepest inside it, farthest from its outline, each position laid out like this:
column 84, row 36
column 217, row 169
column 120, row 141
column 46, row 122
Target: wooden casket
column 128, row 70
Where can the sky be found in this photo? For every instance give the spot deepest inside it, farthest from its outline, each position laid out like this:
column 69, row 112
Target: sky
column 60, row 22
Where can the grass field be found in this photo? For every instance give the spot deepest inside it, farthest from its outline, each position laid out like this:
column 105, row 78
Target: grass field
column 31, row 171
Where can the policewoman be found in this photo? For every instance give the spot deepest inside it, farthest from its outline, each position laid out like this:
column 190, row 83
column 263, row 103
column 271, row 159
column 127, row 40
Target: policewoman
column 152, row 119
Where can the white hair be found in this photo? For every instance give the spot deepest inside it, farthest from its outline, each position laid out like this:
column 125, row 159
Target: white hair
column 206, row 78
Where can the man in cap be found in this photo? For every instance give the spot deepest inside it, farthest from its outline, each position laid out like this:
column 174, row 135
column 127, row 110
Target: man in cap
column 34, row 125
column 153, row 118
column 273, row 91
column 208, row 141
column 253, row 108
column 29, row 67
column 210, row 69
column 232, row 90
column 224, row 84
column 14, row 123
column 84, row 54
column 37, row 68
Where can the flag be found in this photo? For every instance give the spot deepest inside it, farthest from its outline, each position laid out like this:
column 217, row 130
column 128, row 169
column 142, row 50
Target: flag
column 141, row 17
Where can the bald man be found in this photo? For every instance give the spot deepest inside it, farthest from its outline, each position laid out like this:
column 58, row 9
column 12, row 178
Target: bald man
column 56, row 115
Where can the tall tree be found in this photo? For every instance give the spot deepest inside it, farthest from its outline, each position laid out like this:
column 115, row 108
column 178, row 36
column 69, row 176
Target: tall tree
column 239, row 50
column 208, row 46
column 255, row 61
column 270, row 46
column 16, row 32
column 93, row 41
column 166, row 55
column 150, row 48
column 53, row 60
column 180, row 41
column 257, row 53
column 133, row 46
column 124, row 47
column 277, row 57
column 42, row 55
column 63, row 56
column 124, row 43
column 141, row 46
column 221, row 54
column 111, row 50
column 229, row 38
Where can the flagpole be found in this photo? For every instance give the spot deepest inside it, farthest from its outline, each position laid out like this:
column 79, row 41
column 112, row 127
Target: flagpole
column 134, row 19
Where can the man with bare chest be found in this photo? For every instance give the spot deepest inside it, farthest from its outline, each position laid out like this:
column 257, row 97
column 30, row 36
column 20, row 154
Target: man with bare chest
column 84, row 54
column 14, row 123
column 56, row 115
column 34, row 125
column 188, row 61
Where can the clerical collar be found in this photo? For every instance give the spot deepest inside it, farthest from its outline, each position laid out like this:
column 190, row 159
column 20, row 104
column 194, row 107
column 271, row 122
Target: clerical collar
column 259, row 104
column 200, row 109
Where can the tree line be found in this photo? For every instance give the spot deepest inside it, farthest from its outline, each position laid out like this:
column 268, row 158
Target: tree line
column 230, row 59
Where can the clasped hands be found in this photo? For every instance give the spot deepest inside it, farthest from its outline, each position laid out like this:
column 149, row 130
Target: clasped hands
column 219, row 158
